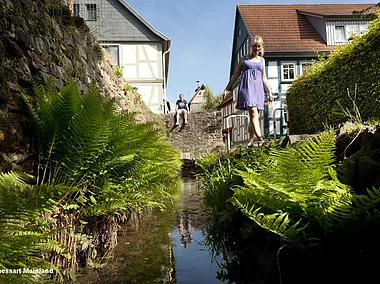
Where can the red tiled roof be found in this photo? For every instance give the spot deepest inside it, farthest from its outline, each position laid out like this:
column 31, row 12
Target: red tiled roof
column 329, row 10
column 285, row 28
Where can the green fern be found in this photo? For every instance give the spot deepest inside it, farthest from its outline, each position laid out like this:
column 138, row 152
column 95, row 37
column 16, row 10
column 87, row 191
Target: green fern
column 362, row 203
column 278, row 223
column 301, row 183
column 24, row 235
column 93, row 161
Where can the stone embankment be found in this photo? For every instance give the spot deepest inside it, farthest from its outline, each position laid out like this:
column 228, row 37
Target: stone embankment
column 201, row 135
column 43, row 44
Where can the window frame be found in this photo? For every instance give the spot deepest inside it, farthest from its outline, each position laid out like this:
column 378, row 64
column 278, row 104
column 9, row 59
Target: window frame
column 76, row 9
column 336, row 34
column 294, row 71
column 302, row 64
column 348, row 34
column 91, row 12
column 105, row 45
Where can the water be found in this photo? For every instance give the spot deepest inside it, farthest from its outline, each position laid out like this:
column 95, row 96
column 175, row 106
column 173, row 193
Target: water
column 167, row 246
column 192, row 258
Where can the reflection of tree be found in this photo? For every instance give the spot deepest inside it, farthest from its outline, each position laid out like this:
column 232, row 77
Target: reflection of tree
column 186, row 229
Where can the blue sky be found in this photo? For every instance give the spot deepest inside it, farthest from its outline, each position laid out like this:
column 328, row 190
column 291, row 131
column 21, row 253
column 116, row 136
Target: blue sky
column 201, row 38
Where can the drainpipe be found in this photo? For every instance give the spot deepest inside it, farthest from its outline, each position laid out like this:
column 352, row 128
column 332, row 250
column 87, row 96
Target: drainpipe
column 164, row 73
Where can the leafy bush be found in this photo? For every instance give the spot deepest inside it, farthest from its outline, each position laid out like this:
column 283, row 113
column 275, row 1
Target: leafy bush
column 347, row 81
column 295, row 192
column 218, row 177
column 84, row 143
column 128, row 88
column 92, row 163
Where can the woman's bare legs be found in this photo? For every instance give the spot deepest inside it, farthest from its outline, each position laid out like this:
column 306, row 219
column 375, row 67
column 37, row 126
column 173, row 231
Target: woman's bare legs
column 251, row 132
column 254, row 123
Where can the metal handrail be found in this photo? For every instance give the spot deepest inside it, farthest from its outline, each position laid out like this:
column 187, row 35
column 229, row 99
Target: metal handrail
column 285, row 111
column 228, row 127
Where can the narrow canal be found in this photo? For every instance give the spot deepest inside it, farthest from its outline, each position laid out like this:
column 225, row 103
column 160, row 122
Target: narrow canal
column 165, row 246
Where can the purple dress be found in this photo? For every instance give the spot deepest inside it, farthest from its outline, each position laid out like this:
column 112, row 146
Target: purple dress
column 251, row 88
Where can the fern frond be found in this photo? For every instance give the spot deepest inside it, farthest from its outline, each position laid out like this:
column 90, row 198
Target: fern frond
column 277, row 223
column 362, row 203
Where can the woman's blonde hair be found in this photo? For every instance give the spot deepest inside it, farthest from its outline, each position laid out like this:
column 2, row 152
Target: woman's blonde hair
column 256, row 39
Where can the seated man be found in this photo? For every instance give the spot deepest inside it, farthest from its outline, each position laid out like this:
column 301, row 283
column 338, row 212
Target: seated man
column 181, row 107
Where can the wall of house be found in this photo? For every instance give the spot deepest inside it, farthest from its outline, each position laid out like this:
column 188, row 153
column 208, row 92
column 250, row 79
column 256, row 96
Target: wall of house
column 142, row 68
column 133, row 45
column 198, row 100
column 114, row 22
column 275, row 70
column 330, row 29
column 241, row 42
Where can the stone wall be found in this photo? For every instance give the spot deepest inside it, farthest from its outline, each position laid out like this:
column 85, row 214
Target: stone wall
column 41, row 42
column 202, row 134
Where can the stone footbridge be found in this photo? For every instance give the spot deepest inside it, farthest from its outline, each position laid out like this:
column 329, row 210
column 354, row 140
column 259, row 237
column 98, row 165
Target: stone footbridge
column 202, row 134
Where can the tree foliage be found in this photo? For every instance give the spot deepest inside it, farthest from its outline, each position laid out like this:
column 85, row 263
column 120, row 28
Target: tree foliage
column 211, row 101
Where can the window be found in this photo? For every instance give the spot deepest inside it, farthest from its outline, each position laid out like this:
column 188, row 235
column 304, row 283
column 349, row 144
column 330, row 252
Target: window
column 239, row 32
column 90, row 12
column 114, row 51
column 363, row 29
column 340, row 34
column 352, row 30
column 288, row 71
column 76, row 8
column 304, row 66
column 247, row 45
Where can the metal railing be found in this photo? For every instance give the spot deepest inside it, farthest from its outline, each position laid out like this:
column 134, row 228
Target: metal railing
column 275, row 119
column 229, row 129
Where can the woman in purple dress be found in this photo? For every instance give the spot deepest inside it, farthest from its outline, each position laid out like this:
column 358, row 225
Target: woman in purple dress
column 252, row 84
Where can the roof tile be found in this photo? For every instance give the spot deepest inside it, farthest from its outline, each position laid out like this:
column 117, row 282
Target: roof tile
column 285, row 28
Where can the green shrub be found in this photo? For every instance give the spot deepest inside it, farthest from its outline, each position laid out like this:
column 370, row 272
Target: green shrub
column 83, row 142
column 349, row 80
column 93, row 163
column 118, row 71
column 24, row 234
column 293, row 192
column 128, row 88
column 218, row 177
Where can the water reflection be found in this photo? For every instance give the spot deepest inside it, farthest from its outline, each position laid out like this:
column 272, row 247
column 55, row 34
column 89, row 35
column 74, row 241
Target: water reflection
column 164, row 246
column 192, row 258
column 176, row 246
column 343, row 257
